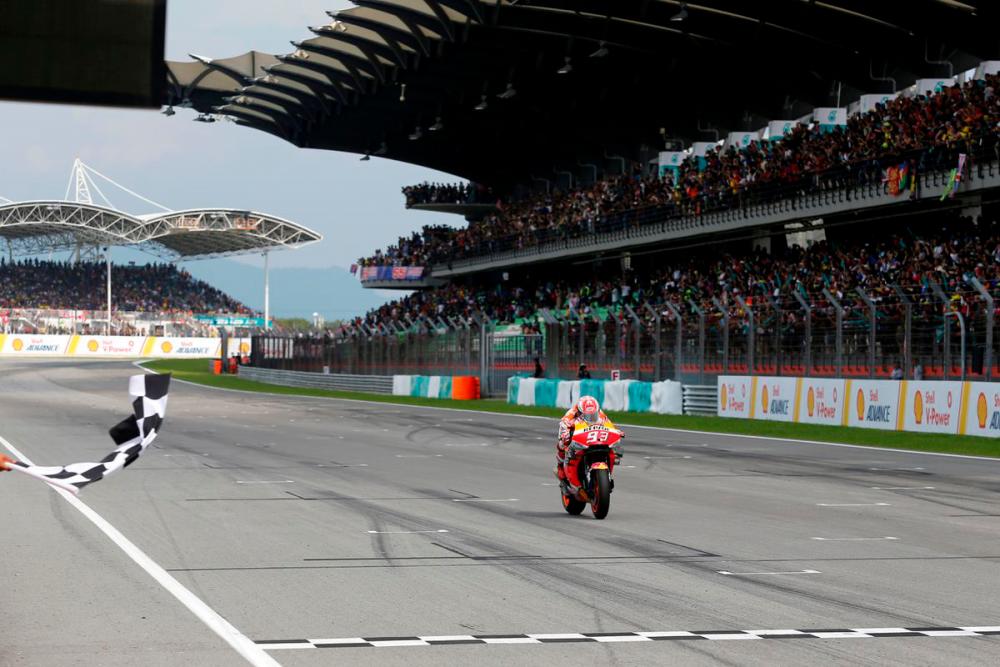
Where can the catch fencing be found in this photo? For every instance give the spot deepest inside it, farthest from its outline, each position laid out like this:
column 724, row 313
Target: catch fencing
column 909, row 332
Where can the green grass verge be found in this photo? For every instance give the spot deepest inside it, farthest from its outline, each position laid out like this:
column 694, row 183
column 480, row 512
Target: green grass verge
column 196, row 370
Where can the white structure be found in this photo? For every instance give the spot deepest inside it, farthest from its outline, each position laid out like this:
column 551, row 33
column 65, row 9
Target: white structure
column 89, row 230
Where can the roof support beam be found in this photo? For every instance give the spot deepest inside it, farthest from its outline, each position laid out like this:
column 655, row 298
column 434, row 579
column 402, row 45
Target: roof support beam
column 318, row 87
column 417, row 42
column 369, row 63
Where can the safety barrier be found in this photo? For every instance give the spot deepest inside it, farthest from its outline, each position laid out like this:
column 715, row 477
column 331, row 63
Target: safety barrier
column 372, row 384
column 614, row 396
column 134, row 347
column 919, row 406
column 459, row 388
column 699, row 399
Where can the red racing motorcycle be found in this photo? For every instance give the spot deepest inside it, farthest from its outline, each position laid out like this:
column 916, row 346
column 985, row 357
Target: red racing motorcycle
column 598, row 449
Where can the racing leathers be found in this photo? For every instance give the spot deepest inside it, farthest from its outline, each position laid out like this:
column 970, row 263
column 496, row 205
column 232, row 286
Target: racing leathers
column 568, row 471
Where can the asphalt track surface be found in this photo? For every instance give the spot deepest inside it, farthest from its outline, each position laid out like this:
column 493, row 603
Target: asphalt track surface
column 304, row 519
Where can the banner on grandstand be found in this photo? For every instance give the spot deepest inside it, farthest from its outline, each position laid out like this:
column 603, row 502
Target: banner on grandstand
column 740, row 140
column 736, row 394
column 931, row 406
column 776, row 129
column 829, row 117
column 868, row 103
column 776, row 399
column 231, row 320
column 987, row 67
column 872, row 404
column 670, row 161
column 821, row 401
column 372, row 273
column 929, row 86
column 29, row 344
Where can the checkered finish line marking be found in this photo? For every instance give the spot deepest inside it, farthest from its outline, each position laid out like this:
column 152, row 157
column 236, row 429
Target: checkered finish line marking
column 619, row 637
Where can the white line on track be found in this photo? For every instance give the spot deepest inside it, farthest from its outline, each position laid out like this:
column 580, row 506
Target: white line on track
column 211, row 618
column 853, row 504
column 277, row 481
column 754, row 574
column 903, row 488
column 498, row 415
column 484, row 500
column 403, row 532
column 418, row 456
column 664, row 458
column 852, row 539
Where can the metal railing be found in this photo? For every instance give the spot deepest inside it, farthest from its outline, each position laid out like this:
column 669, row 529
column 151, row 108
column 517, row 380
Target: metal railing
column 371, row 384
column 848, row 187
column 897, row 331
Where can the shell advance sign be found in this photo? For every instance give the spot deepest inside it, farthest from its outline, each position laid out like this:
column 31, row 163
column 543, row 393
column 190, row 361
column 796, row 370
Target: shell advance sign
column 875, row 404
column 982, row 412
column 963, row 408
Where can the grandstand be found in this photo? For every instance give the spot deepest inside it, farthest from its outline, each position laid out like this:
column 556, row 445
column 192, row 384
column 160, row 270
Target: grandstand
column 40, row 296
column 670, row 236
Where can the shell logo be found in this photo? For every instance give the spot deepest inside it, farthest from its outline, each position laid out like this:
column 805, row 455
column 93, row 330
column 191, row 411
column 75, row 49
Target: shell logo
column 166, row 347
column 861, row 405
column 811, row 401
column 918, row 407
column 18, row 344
column 949, row 399
column 723, row 395
column 763, row 400
column 982, row 410
column 92, row 345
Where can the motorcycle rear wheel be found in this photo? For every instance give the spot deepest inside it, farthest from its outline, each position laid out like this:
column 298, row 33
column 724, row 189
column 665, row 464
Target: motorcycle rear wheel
column 600, row 495
column 572, row 505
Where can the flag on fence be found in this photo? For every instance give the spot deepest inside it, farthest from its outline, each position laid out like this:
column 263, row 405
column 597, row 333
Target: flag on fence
column 354, row 269
column 399, row 273
column 954, row 179
column 131, row 435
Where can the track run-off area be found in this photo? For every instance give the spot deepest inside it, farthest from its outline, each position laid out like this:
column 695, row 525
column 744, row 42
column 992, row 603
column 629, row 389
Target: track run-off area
column 340, row 532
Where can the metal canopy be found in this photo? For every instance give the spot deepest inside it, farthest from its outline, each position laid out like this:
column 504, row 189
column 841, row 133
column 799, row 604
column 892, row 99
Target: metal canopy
column 32, row 228
column 589, row 79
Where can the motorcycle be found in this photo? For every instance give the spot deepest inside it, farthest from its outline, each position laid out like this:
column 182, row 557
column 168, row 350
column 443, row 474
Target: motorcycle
column 598, row 450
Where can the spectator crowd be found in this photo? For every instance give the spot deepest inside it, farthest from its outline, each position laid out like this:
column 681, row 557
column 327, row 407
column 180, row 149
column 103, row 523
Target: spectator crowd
column 948, row 259
column 921, row 132
column 42, row 284
column 445, row 193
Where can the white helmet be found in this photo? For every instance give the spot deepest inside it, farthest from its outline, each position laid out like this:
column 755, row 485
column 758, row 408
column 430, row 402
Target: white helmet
column 588, row 409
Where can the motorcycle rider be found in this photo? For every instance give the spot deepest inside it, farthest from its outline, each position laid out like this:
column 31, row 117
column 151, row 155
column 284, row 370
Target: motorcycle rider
column 587, row 412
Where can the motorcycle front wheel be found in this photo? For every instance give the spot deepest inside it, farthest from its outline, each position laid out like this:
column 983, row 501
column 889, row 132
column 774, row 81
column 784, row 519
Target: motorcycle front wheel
column 600, row 494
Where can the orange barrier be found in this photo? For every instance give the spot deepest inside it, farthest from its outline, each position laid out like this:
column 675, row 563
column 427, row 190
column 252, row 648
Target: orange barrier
column 216, row 366
column 465, row 388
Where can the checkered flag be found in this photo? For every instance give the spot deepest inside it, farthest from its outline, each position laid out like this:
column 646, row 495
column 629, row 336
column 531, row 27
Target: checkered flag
column 131, row 435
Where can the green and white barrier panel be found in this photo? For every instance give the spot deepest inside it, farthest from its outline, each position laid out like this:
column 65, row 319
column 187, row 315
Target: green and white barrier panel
column 614, row 396
column 436, row 386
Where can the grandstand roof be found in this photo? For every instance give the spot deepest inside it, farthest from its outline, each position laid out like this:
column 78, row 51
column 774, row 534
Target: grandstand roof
column 36, row 227
column 509, row 89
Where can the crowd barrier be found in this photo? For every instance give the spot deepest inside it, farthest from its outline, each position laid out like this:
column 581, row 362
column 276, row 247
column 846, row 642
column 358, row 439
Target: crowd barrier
column 458, row 387
column 133, row 347
column 918, row 406
column 614, row 396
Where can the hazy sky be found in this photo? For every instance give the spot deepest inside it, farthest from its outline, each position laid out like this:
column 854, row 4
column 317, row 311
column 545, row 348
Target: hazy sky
column 184, row 164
